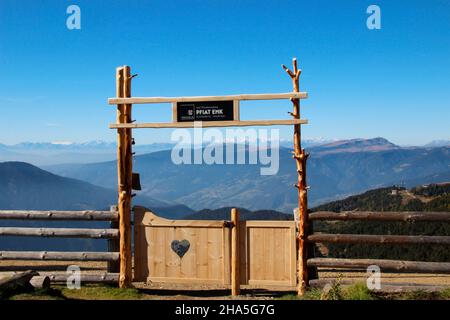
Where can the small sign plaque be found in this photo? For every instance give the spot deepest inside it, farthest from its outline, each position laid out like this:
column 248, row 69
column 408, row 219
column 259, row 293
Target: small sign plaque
column 205, row 111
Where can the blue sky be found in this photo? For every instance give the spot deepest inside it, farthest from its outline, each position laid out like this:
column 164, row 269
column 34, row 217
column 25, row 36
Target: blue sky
column 392, row 82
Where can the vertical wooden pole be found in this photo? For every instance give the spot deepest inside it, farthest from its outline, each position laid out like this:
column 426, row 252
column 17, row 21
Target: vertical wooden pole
column 124, row 170
column 235, row 261
column 113, row 245
column 300, row 157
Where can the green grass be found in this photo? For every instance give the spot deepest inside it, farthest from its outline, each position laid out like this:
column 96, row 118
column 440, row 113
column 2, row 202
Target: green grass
column 445, row 294
column 358, row 291
column 97, row 292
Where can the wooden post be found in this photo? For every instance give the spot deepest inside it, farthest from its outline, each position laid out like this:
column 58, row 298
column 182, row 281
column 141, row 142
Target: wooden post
column 113, row 244
column 124, row 167
column 300, row 157
column 235, row 261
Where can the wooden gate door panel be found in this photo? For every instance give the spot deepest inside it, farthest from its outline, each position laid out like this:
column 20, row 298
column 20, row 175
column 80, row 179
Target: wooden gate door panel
column 268, row 253
column 181, row 251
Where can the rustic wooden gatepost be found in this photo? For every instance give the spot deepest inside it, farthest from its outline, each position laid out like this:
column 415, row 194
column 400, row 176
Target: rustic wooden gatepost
column 124, row 173
column 300, row 157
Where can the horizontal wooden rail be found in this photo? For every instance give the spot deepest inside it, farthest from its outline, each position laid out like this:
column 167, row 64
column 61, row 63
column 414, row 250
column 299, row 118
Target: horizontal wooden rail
column 84, row 278
column 263, row 96
column 381, row 216
column 385, row 265
column 59, row 215
column 59, row 256
column 384, row 286
column 378, row 239
column 206, row 124
column 59, row 232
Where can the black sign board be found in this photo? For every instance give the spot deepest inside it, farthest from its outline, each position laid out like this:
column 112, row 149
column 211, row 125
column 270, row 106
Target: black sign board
column 205, row 111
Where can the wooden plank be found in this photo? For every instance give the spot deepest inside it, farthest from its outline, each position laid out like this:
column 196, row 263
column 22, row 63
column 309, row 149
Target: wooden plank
column 174, row 112
column 407, row 216
column 235, row 261
column 184, row 280
column 226, row 251
column 59, row 256
column 188, row 261
column 236, row 110
column 84, row 277
column 244, row 252
column 202, row 259
column 159, row 248
column 172, row 262
column 278, row 254
column 60, row 232
column 207, row 124
column 271, row 283
column 378, row 239
column 385, row 265
column 152, row 220
column 293, row 255
column 269, row 224
column 58, row 215
column 256, row 249
column 263, row 96
column 384, row 286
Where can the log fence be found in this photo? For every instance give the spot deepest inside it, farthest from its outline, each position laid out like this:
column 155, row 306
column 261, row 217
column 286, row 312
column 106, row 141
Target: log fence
column 112, row 257
column 385, row 265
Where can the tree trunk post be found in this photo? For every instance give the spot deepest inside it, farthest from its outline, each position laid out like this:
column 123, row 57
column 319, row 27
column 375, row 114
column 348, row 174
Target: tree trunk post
column 124, row 167
column 300, row 157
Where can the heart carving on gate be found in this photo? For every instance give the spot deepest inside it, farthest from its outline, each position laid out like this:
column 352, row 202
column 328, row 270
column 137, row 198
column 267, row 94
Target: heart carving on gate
column 180, row 247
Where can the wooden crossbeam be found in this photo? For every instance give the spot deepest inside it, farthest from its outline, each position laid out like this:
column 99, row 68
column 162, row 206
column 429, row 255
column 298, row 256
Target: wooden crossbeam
column 206, row 124
column 240, row 97
column 378, row 239
column 385, row 265
column 84, row 277
column 381, row 216
column 59, row 256
column 60, row 232
column 58, row 215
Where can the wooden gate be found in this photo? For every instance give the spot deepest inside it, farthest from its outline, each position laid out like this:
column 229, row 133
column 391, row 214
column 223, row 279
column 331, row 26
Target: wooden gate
column 267, row 253
column 199, row 251
column 180, row 251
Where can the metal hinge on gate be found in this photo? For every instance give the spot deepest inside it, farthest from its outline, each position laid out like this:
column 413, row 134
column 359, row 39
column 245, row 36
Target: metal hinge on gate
column 228, row 224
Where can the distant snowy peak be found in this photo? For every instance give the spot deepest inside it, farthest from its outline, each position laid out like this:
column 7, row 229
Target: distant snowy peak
column 356, row 145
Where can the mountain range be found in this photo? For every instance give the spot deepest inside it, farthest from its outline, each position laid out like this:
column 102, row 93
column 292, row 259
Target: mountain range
column 51, row 153
column 335, row 170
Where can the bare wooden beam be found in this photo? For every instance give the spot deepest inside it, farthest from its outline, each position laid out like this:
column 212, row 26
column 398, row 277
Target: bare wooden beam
column 85, row 278
column 384, row 286
column 209, row 124
column 378, row 239
column 262, row 96
column 59, row 256
column 58, row 215
column 59, row 232
column 385, row 265
column 381, row 216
